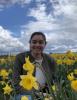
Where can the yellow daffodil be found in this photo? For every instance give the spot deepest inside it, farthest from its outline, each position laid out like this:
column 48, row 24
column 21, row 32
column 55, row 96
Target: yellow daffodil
column 53, row 87
column 24, row 98
column 2, row 61
column 7, row 89
column 68, row 61
column 28, row 66
column 75, row 71
column 70, row 76
column 10, row 70
column 46, row 98
column 28, row 82
column 59, row 61
column 70, row 54
column 74, row 85
column 2, row 82
column 4, row 73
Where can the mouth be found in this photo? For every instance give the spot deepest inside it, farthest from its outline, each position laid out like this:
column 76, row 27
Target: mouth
column 38, row 49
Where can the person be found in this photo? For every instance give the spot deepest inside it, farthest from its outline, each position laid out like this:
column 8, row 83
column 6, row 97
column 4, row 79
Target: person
column 36, row 55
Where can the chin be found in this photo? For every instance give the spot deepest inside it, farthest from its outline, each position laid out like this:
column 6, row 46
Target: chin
column 38, row 52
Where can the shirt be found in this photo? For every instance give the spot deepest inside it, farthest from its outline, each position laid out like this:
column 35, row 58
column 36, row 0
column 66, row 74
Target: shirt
column 39, row 73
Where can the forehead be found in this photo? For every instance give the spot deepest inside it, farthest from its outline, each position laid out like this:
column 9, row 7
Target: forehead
column 38, row 37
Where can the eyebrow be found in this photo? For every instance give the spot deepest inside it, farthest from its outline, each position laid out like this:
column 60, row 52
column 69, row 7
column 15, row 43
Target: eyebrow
column 40, row 41
column 37, row 40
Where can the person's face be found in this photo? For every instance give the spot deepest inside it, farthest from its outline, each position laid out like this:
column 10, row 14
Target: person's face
column 37, row 44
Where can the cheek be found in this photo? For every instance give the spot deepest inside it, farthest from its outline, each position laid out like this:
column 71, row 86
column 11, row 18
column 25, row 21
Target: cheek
column 32, row 46
column 41, row 47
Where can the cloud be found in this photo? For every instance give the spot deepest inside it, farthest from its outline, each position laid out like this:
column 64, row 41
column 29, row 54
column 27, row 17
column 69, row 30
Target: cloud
column 8, row 43
column 8, row 3
column 66, row 8
column 56, row 18
column 60, row 27
column 43, row 21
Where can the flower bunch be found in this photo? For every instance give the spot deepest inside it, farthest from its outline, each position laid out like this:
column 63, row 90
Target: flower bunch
column 7, row 89
column 72, row 77
column 28, row 81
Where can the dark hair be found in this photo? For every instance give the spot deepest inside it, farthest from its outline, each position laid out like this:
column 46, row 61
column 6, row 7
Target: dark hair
column 38, row 33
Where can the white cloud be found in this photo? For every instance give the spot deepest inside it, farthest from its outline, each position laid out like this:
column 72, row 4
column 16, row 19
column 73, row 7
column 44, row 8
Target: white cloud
column 39, row 12
column 59, row 29
column 43, row 21
column 8, row 3
column 59, row 26
column 7, row 41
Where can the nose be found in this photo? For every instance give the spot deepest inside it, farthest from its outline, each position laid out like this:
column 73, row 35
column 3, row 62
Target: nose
column 37, row 44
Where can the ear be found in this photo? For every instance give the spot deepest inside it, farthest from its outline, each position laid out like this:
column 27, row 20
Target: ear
column 45, row 42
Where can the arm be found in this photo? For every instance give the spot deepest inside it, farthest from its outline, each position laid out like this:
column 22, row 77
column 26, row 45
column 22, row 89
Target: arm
column 17, row 71
column 52, row 66
column 49, row 65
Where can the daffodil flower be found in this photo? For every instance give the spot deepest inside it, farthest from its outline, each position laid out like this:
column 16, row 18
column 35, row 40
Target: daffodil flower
column 7, row 89
column 28, row 66
column 28, row 82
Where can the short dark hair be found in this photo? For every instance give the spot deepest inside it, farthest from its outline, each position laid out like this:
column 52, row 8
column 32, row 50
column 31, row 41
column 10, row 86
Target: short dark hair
column 37, row 33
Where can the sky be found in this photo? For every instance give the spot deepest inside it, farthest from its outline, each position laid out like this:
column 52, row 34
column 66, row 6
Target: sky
column 57, row 19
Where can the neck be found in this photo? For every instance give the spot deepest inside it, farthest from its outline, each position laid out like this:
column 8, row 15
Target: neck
column 36, row 55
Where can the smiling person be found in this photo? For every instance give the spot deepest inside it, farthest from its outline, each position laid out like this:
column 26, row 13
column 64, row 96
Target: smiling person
column 44, row 65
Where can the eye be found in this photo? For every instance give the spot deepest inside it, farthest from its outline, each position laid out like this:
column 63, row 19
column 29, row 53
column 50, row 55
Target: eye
column 41, row 42
column 34, row 42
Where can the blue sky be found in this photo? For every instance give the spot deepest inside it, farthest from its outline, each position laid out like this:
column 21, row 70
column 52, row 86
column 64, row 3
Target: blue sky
column 20, row 18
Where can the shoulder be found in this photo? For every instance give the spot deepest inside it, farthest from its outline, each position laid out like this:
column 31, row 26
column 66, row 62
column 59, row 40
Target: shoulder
column 22, row 55
column 49, row 58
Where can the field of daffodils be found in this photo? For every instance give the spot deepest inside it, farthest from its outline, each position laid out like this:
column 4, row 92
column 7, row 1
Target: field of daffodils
column 64, row 88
